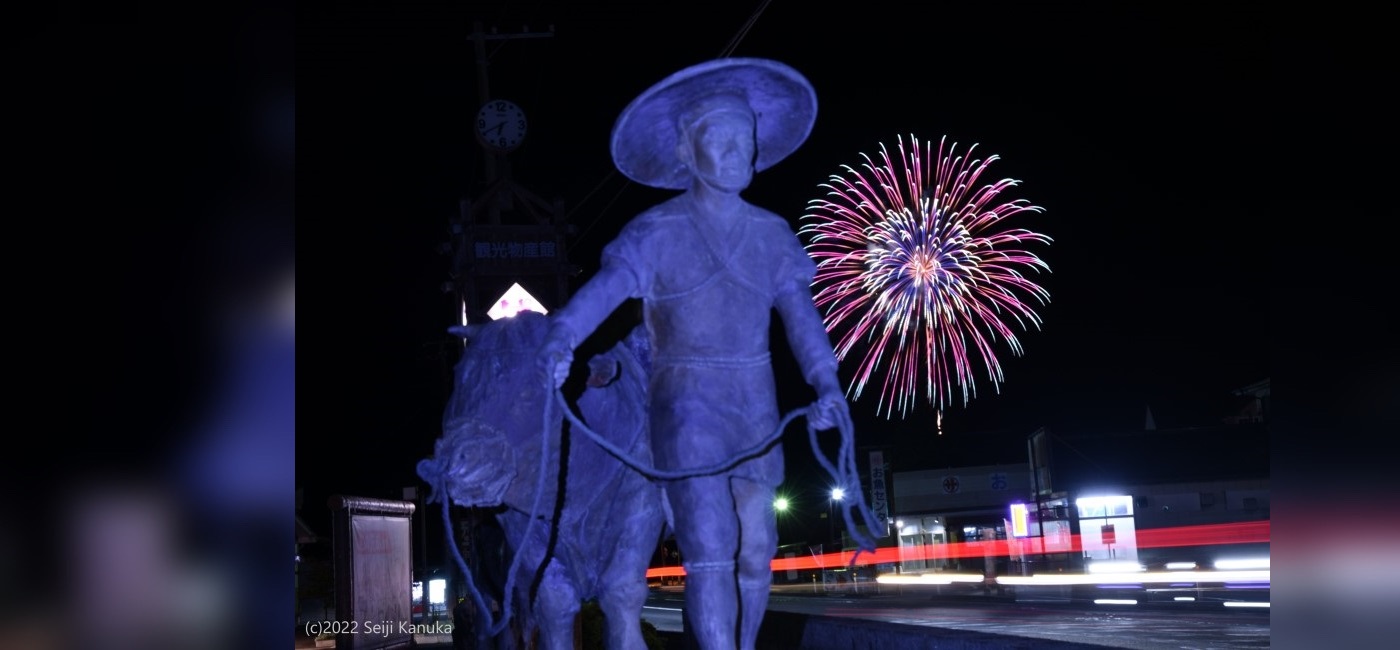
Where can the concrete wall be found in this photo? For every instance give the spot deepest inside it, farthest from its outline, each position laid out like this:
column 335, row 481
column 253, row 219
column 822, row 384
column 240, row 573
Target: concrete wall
column 1197, row 503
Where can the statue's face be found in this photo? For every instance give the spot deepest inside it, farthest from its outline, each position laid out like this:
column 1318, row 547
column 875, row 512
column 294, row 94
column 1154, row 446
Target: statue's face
column 723, row 149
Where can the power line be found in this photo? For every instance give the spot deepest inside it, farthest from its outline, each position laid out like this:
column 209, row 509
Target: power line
column 726, row 52
column 743, row 31
column 595, row 189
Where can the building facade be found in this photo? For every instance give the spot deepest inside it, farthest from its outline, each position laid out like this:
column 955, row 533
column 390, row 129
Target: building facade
column 1152, row 497
column 936, row 508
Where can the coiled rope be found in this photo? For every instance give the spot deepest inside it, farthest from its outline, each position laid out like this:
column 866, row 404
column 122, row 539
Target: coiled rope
column 843, row 472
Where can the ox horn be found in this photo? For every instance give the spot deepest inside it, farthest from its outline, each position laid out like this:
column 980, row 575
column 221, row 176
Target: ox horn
column 464, row 331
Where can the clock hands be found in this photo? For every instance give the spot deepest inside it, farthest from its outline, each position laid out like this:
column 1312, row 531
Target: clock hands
column 506, row 124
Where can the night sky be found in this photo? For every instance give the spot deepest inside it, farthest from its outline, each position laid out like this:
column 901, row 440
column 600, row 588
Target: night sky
column 1215, row 181
column 1137, row 128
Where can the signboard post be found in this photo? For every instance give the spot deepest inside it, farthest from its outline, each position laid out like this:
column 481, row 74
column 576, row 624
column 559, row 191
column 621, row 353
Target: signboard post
column 372, row 546
column 879, row 501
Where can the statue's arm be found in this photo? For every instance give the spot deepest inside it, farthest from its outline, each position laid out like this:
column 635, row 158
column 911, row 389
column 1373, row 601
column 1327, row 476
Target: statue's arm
column 587, row 309
column 811, row 346
column 808, row 338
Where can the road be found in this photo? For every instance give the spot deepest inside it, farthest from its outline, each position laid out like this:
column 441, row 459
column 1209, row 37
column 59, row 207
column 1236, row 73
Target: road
column 1143, row 627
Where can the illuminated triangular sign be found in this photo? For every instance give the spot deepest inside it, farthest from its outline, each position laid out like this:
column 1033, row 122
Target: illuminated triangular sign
column 515, row 300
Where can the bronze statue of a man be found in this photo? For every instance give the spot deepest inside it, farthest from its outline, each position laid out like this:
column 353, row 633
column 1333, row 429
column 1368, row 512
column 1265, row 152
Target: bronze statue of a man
column 710, row 268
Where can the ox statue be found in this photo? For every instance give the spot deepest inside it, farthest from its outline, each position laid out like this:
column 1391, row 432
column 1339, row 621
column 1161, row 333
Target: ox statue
column 579, row 523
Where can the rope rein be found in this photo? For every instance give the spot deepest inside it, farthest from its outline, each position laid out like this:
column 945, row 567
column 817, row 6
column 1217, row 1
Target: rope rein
column 843, row 472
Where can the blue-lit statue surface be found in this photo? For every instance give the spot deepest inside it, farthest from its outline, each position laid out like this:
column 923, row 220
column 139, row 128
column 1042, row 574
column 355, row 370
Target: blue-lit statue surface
column 710, row 269
column 502, row 447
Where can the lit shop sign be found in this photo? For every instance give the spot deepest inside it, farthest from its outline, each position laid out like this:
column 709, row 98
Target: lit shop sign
column 1020, row 520
column 515, row 300
column 505, row 250
column 1118, row 505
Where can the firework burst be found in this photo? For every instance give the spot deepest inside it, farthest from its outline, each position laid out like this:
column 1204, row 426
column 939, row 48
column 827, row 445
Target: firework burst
column 911, row 260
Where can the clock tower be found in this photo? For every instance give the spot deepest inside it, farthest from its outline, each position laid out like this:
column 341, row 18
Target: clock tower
column 505, row 235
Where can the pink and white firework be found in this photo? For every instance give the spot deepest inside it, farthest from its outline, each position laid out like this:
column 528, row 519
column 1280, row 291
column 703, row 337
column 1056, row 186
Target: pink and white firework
column 915, row 266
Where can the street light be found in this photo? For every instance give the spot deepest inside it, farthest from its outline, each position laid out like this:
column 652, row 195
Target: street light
column 780, row 511
column 837, row 494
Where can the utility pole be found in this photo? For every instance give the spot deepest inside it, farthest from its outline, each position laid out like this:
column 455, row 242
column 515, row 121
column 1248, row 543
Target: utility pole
column 502, row 233
column 483, row 85
column 506, row 233
column 419, row 567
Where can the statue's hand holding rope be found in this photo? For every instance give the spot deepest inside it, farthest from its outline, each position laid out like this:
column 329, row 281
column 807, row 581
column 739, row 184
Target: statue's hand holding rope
column 830, row 411
column 555, row 359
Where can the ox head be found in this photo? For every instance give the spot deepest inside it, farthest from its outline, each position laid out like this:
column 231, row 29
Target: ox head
column 493, row 427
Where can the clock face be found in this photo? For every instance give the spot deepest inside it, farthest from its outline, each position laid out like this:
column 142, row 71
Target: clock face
column 500, row 124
